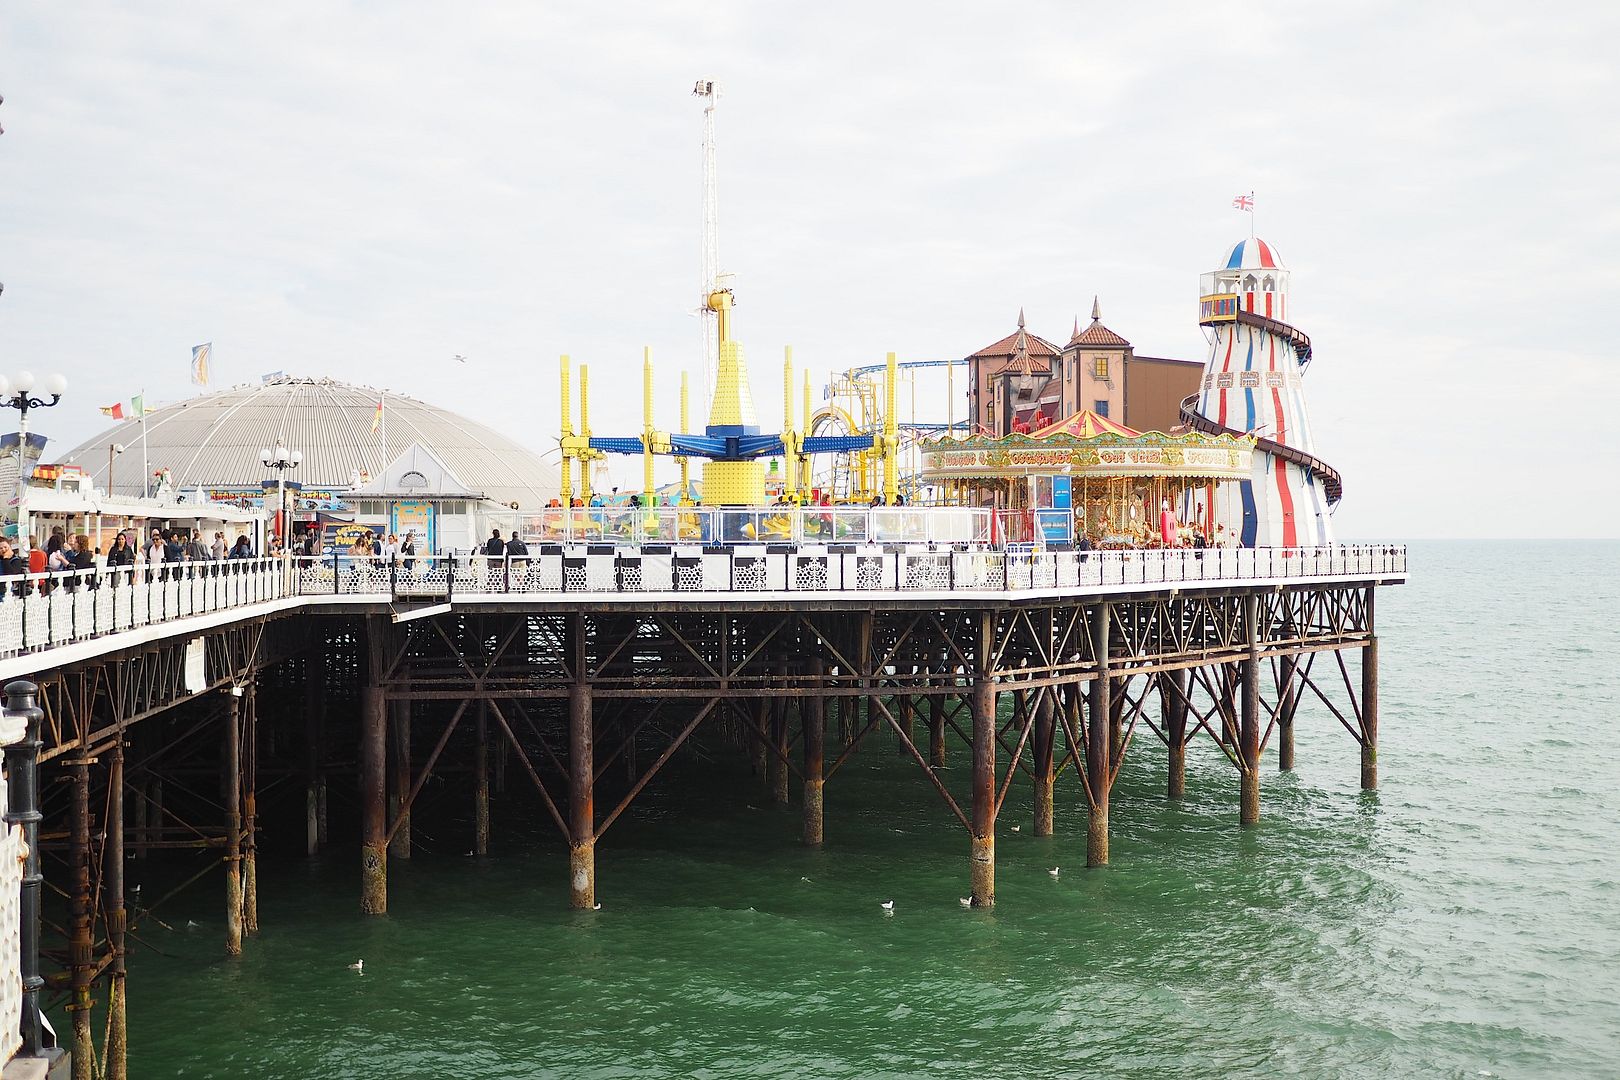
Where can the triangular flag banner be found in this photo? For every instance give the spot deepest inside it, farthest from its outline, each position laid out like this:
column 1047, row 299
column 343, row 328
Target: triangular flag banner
column 199, row 363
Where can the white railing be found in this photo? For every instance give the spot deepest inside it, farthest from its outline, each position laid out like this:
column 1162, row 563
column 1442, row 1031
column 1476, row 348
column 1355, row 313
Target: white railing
column 633, row 527
column 42, row 611
column 746, row 568
column 39, row 611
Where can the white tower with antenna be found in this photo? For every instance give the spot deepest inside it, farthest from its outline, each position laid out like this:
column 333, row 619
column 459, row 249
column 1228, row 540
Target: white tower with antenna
column 709, row 91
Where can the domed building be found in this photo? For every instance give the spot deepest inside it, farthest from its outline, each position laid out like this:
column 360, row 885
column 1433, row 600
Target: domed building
column 213, row 443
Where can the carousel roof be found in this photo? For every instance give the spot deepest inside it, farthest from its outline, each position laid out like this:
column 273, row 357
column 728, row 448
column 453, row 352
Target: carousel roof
column 1085, row 424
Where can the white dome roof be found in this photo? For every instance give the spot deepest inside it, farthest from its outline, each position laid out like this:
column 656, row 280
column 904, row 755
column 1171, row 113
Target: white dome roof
column 214, row 441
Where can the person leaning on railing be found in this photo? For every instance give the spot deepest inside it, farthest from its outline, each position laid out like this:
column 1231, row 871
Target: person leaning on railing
column 12, row 565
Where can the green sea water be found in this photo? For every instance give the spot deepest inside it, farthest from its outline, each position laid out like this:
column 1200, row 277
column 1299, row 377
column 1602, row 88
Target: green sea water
column 1463, row 921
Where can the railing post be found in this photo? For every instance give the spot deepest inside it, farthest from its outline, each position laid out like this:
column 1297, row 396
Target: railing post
column 22, row 762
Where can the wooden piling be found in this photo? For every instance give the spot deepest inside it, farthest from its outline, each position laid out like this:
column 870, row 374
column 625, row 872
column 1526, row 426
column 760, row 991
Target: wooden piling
column 231, row 780
column 581, row 799
column 1043, row 740
column 373, row 801
column 814, row 725
column 1099, row 780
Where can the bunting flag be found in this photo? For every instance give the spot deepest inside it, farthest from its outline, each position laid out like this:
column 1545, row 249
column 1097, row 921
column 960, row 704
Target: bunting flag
column 1244, row 202
column 137, row 406
column 376, row 419
column 116, row 411
column 199, row 363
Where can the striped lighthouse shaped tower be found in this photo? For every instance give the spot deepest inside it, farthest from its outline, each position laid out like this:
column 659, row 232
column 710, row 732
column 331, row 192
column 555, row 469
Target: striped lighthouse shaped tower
column 1254, row 385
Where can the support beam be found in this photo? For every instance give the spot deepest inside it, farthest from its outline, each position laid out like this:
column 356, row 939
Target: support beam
column 1249, row 723
column 80, row 940
column 481, row 782
column 1369, row 703
column 231, row 780
column 117, row 919
column 936, row 730
column 1287, row 705
column 776, row 762
column 813, row 718
column 984, row 791
column 373, row 801
column 399, row 779
column 250, row 811
column 314, row 707
column 581, row 795
column 759, row 746
column 907, row 717
column 1042, row 743
column 1173, row 716
column 1099, row 773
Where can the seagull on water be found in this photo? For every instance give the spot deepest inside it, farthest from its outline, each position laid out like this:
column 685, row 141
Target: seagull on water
column 358, row 967
column 888, row 907
column 1053, row 871
column 965, row 901
column 597, row 906
column 1015, row 828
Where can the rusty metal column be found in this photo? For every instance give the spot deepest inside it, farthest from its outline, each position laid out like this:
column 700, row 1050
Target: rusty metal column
column 481, row 782
column 776, row 764
column 1098, row 758
column 1173, row 715
column 80, row 943
column 1249, row 723
column 231, row 781
column 117, row 920
column 984, row 788
column 908, row 719
column 1287, row 705
column 314, row 707
column 373, row 801
column 399, row 775
column 813, row 717
column 250, row 814
column 936, row 730
column 1043, row 738
column 1369, row 703
column 581, row 805
column 761, row 746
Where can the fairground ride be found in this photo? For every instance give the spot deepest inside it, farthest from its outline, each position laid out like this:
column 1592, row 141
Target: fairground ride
column 854, row 403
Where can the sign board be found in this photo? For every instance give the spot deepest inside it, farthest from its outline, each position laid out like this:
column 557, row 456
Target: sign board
column 340, row 536
column 196, row 666
column 415, row 515
column 1062, row 492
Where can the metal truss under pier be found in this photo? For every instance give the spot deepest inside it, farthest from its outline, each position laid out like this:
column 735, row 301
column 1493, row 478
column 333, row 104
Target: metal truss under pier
column 221, row 731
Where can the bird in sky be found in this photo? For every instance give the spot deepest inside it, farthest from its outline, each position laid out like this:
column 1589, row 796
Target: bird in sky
column 458, row 358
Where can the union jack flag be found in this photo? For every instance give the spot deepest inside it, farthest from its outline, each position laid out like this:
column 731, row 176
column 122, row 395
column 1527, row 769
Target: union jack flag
column 1244, row 202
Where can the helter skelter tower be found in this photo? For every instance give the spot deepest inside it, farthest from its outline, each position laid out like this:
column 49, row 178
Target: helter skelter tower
column 1254, row 385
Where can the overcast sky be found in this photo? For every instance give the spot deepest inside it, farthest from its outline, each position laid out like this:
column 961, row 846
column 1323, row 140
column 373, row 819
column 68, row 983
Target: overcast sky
column 364, row 190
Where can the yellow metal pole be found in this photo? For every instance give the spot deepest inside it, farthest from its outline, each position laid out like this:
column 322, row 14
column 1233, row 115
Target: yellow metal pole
column 585, row 432
column 686, row 462
column 567, row 487
column 790, row 449
column 647, row 428
column 891, row 436
column 804, row 433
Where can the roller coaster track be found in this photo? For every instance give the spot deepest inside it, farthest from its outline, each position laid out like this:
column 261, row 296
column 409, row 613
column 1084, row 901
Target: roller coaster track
column 1332, row 483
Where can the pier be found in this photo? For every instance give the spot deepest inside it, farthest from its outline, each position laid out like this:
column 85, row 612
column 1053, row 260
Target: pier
column 302, row 703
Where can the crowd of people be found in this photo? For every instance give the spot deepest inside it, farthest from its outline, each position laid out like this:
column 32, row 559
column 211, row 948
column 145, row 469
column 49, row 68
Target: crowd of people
column 161, row 554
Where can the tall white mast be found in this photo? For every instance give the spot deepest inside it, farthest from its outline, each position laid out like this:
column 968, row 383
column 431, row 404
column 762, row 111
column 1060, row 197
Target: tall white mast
column 710, row 93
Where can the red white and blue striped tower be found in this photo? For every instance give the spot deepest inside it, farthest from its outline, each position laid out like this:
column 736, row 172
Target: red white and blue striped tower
column 1254, row 384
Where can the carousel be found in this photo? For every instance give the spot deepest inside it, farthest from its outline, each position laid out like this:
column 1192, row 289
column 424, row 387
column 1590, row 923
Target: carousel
column 1090, row 476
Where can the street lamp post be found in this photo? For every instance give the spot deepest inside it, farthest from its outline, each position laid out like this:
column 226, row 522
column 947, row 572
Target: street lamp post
column 113, row 449
column 17, row 393
column 281, row 459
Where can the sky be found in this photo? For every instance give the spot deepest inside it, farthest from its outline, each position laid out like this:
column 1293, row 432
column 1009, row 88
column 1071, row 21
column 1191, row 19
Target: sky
column 365, row 191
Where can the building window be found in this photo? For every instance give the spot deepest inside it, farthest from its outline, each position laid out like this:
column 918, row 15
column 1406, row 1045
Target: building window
column 1101, row 409
column 1099, row 367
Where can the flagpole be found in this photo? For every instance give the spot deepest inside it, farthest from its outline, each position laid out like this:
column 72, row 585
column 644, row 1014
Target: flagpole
column 146, row 473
